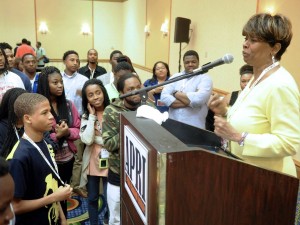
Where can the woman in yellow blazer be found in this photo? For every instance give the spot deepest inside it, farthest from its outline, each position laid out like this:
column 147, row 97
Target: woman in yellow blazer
column 263, row 126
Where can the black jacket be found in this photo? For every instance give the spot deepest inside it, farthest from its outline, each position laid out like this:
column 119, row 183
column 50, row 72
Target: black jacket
column 85, row 71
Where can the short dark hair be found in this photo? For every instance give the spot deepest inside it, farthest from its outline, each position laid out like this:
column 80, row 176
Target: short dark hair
column 67, row 53
column 91, row 50
column 246, row 69
column 122, row 79
column 24, row 41
column 26, row 103
column 114, row 52
column 271, row 29
column 6, row 66
column 5, row 45
column 123, row 66
column 191, row 53
column 154, row 77
column 7, row 112
column 39, row 43
column 3, row 167
column 27, row 54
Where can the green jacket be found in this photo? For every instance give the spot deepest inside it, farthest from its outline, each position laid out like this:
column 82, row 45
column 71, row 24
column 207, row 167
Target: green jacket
column 111, row 132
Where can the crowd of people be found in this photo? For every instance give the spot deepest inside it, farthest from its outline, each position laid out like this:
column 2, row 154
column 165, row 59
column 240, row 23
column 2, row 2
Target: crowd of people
column 60, row 130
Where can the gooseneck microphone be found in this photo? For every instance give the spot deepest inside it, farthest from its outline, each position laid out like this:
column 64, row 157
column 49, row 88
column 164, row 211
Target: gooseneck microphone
column 226, row 59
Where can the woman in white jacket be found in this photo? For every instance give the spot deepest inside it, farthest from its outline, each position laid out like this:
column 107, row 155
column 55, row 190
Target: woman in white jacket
column 94, row 161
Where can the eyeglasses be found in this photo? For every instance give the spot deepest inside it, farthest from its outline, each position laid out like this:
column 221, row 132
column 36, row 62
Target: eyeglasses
column 160, row 68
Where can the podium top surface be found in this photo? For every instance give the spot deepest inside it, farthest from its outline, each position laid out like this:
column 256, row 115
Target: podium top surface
column 162, row 140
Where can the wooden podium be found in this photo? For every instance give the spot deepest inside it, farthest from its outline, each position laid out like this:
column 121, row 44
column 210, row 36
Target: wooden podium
column 166, row 181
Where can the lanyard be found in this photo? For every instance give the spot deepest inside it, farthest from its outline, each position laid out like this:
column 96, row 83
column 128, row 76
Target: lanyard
column 247, row 90
column 92, row 72
column 55, row 171
column 16, row 132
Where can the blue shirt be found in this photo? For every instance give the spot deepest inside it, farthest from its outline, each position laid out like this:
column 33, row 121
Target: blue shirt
column 156, row 96
column 24, row 78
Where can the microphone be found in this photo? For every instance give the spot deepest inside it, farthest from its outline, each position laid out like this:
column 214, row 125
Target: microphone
column 226, row 59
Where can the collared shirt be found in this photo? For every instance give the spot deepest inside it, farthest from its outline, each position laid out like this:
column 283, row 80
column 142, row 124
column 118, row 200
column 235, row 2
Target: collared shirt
column 112, row 91
column 85, row 70
column 73, row 85
column 198, row 89
column 107, row 78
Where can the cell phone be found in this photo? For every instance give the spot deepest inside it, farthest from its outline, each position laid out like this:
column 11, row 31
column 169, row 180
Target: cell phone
column 62, row 120
column 103, row 163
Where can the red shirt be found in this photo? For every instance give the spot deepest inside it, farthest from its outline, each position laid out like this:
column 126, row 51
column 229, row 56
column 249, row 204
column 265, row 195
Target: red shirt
column 24, row 49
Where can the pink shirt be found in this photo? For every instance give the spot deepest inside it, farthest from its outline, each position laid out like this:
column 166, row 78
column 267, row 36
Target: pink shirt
column 93, row 168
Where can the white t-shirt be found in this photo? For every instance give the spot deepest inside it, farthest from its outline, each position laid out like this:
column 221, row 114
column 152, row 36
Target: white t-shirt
column 73, row 85
column 9, row 80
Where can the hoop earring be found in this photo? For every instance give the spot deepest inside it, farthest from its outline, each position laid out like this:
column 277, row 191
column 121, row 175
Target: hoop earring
column 273, row 59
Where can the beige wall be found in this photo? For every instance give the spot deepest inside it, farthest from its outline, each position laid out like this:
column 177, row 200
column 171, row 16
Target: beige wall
column 108, row 28
column 64, row 20
column 216, row 31
column 17, row 21
column 133, row 38
column 290, row 8
column 157, row 45
column 120, row 25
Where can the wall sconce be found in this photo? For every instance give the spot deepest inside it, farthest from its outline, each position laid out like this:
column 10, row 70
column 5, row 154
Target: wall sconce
column 165, row 28
column 85, row 29
column 43, row 29
column 147, row 30
column 270, row 9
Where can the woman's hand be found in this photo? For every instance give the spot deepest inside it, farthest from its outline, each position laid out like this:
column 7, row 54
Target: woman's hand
column 158, row 89
column 91, row 109
column 225, row 130
column 218, row 105
column 62, row 130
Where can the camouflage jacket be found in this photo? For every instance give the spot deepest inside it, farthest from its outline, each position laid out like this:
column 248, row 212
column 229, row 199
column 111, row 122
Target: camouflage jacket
column 111, row 132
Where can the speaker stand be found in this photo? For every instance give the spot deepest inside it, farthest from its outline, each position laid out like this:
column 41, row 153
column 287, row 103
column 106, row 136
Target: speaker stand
column 179, row 62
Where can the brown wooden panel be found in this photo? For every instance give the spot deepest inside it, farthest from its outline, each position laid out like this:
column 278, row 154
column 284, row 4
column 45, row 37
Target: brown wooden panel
column 204, row 188
column 152, row 174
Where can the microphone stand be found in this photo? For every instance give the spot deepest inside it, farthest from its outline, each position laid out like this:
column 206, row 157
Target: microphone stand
column 143, row 92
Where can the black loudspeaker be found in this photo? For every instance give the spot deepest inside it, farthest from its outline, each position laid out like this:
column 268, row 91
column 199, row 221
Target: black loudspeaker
column 182, row 28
